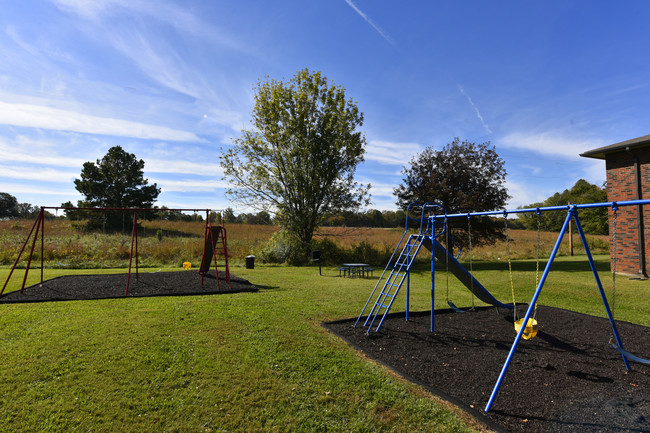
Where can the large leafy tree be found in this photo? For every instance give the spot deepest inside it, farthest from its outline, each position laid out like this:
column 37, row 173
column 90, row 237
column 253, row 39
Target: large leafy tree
column 8, row 206
column 463, row 177
column 115, row 181
column 593, row 221
column 298, row 160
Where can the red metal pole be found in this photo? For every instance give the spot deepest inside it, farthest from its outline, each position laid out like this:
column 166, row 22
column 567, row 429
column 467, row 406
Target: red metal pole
column 205, row 240
column 20, row 254
column 225, row 253
column 42, row 242
column 133, row 234
column 213, row 243
column 31, row 252
column 137, row 263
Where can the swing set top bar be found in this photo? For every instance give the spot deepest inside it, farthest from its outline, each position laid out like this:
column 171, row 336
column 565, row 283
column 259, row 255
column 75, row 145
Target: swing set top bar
column 128, row 209
column 612, row 204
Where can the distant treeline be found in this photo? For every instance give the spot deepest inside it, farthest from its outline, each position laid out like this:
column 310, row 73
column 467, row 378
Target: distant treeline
column 370, row 218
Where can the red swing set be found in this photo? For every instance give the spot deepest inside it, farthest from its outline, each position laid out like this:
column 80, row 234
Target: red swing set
column 214, row 244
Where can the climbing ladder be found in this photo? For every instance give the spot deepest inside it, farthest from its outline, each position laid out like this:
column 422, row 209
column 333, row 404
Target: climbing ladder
column 215, row 246
column 395, row 280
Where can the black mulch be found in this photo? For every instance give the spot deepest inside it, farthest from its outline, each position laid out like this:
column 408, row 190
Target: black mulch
column 84, row 287
column 567, row 379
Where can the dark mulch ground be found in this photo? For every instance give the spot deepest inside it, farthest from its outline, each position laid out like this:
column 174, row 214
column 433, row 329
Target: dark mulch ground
column 567, row 379
column 84, row 287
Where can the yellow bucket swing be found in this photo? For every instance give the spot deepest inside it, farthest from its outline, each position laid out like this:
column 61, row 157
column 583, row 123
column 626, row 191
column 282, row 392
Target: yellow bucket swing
column 531, row 327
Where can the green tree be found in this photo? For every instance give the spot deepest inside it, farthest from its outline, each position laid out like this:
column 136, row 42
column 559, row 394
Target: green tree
column 299, row 159
column 115, row 181
column 229, row 216
column 463, row 177
column 594, row 221
column 8, row 206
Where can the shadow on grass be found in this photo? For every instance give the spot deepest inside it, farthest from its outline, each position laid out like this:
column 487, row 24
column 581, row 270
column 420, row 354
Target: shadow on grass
column 275, row 288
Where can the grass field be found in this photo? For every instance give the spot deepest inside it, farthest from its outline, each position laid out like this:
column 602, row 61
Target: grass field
column 65, row 245
column 250, row 361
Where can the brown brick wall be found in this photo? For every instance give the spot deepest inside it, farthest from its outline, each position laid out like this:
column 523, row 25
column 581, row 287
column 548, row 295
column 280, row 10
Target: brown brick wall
column 621, row 186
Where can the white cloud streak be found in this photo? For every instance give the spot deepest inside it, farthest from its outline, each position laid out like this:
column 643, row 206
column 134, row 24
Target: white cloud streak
column 549, row 144
column 476, row 110
column 391, row 153
column 182, row 167
column 36, row 173
column 367, row 19
column 207, row 185
column 33, row 152
column 38, row 116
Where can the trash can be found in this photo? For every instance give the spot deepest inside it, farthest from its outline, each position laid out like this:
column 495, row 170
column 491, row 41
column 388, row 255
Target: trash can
column 250, row 262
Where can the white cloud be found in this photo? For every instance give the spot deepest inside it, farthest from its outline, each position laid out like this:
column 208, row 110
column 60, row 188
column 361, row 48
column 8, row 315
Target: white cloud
column 549, row 144
column 36, row 173
column 182, row 167
column 367, row 19
column 15, row 189
column 189, row 185
column 521, row 195
column 35, row 152
column 385, row 152
column 380, row 189
column 40, row 116
column 478, row 113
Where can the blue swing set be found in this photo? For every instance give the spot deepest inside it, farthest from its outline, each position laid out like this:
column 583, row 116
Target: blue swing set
column 432, row 226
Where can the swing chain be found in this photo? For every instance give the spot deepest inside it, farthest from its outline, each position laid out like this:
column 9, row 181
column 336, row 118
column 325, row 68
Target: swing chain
column 512, row 284
column 471, row 267
column 447, row 255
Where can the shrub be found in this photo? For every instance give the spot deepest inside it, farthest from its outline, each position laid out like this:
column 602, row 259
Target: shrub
column 331, row 252
column 284, row 247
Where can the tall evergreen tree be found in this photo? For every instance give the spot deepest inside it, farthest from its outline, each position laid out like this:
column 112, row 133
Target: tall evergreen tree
column 115, row 181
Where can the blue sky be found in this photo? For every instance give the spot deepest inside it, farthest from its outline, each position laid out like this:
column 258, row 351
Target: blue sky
column 173, row 83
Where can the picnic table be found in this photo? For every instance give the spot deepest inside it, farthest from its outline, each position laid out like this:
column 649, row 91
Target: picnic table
column 355, row 269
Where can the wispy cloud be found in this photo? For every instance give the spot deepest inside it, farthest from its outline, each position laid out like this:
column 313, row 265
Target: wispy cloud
column 478, row 113
column 549, row 144
column 48, row 193
column 25, row 150
column 370, row 21
column 385, row 152
column 47, row 175
column 39, row 116
column 194, row 185
column 520, row 195
column 182, row 167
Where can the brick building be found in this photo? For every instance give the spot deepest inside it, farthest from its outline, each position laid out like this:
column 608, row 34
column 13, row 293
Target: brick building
column 628, row 178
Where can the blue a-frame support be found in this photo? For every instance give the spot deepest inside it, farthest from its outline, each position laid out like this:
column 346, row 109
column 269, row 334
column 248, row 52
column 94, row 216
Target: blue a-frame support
column 572, row 214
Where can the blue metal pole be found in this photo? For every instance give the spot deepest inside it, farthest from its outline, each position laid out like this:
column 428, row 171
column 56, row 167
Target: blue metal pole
column 433, row 281
column 531, row 306
column 408, row 280
column 600, row 288
column 548, row 208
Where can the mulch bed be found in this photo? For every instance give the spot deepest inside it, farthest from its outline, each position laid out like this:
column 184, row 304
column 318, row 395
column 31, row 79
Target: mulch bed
column 567, row 379
column 85, row 287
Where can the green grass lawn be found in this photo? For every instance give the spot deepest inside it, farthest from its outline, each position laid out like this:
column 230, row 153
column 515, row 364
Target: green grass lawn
column 243, row 362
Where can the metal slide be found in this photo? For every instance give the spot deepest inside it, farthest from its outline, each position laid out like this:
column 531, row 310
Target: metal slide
column 463, row 274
